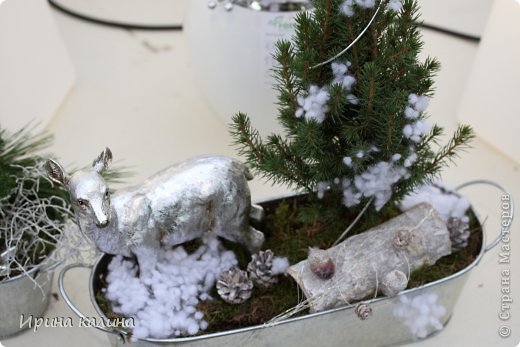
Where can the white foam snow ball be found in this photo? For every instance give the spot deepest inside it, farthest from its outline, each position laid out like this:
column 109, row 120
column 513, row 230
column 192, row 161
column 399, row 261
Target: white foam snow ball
column 166, row 305
column 314, row 105
column 446, row 202
column 395, row 5
column 420, row 314
column 347, row 8
column 377, row 182
column 280, row 265
column 366, row 3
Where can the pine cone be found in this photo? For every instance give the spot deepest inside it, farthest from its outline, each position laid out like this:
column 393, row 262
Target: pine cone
column 363, row 311
column 259, row 268
column 234, row 286
column 402, row 239
column 459, row 233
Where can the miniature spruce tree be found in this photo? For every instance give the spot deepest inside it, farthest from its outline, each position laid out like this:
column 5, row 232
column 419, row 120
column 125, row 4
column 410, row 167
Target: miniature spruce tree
column 355, row 122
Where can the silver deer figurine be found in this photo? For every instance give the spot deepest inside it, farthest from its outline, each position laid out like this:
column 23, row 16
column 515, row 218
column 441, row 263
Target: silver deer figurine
column 178, row 204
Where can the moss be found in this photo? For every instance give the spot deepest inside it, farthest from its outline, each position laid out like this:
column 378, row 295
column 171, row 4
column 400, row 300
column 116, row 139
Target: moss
column 289, row 231
column 106, row 307
column 452, row 263
column 265, row 303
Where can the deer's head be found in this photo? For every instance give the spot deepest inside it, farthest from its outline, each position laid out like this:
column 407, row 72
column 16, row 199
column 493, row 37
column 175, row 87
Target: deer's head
column 87, row 188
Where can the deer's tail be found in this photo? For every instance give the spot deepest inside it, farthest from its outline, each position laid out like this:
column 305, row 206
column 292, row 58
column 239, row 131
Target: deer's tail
column 247, row 173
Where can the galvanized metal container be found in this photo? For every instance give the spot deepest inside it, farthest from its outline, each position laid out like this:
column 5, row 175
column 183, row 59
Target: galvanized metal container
column 332, row 327
column 26, row 294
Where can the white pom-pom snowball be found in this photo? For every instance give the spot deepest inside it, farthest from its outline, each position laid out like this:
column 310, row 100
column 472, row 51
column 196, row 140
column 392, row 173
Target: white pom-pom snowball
column 280, row 265
column 366, row 3
column 165, row 305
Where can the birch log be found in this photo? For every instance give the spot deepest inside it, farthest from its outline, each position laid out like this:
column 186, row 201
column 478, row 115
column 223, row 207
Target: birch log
column 411, row 240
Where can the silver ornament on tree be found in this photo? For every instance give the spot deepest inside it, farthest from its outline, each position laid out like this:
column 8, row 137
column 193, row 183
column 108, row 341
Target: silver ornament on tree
column 234, row 286
column 260, row 268
column 459, row 233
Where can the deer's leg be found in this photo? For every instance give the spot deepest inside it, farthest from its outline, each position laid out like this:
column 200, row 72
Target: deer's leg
column 147, row 258
column 257, row 213
column 254, row 239
column 232, row 223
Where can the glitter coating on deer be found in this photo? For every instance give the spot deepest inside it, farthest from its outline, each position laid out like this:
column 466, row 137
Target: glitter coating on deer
column 178, row 204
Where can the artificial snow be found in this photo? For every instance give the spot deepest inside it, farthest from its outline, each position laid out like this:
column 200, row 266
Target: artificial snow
column 396, row 157
column 395, row 5
column 279, row 265
column 166, row 306
column 418, row 102
column 418, row 128
column 347, row 8
column 321, row 188
column 376, row 182
column 366, row 3
column 351, row 197
column 411, row 113
column 351, row 98
column 342, row 76
column 314, row 105
column 420, row 313
column 448, row 203
column 415, row 131
column 410, row 160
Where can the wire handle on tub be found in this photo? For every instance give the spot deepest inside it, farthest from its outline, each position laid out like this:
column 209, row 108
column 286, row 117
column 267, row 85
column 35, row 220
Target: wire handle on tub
column 120, row 334
column 506, row 223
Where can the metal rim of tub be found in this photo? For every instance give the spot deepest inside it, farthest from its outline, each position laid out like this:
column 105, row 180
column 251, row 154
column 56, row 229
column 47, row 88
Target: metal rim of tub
column 35, row 271
column 37, row 285
column 122, row 334
column 259, row 6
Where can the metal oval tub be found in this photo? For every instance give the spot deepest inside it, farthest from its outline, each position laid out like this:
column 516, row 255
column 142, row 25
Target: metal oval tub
column 332, row 327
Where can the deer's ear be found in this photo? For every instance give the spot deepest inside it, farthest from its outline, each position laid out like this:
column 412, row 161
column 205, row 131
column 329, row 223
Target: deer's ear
column 102, row 162
column 56, row 172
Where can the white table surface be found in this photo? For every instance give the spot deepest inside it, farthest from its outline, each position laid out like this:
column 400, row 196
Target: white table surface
column 145, row 105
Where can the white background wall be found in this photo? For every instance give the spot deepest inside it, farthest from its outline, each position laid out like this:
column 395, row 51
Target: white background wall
column 35, row 70
column 464, row 16
column 492, row 93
